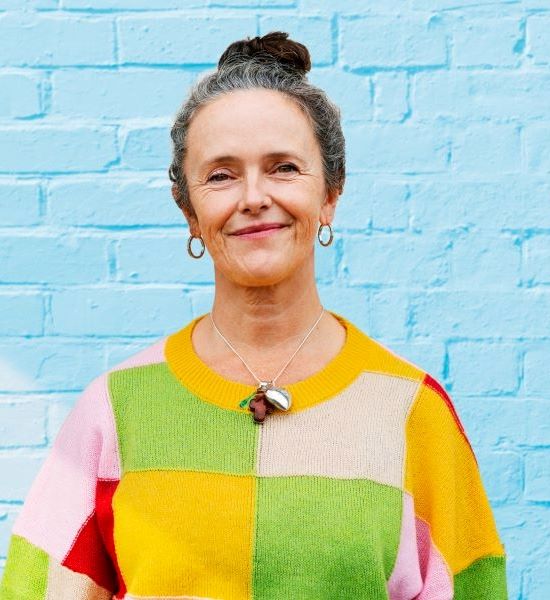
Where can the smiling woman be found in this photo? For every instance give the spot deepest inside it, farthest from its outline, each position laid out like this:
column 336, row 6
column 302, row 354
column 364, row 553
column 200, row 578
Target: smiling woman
column 270, row 449
column 270, row 174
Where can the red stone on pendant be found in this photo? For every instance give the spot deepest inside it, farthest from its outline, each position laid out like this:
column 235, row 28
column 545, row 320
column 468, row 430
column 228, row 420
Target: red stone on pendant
column 260, row 406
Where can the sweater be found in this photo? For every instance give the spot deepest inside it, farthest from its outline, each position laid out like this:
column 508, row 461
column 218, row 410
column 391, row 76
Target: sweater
column 160, row 485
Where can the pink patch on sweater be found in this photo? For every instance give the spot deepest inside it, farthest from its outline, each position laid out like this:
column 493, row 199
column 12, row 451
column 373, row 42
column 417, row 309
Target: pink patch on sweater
column 420, row 571
column 62, row 496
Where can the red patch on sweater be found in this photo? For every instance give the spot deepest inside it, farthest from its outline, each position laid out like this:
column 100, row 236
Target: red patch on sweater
column 434, row 384
column 93, row 551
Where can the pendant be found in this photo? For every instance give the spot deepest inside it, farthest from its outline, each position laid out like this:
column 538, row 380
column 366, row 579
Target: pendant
column 266, row 399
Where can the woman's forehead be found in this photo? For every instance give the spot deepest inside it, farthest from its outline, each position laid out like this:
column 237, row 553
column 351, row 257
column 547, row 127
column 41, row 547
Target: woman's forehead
column 226, row 130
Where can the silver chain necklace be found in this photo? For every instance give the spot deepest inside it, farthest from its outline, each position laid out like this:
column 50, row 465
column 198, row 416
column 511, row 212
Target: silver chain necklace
column 267, row 396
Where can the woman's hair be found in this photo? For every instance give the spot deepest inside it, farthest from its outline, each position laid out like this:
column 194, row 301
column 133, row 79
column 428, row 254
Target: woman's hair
column 271, row 62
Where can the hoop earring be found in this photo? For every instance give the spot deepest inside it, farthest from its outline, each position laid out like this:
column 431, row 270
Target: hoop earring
column 189, row 246
column 329, row 241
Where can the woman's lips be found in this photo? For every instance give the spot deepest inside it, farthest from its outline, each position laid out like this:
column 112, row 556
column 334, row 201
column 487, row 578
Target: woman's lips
column 260, row 234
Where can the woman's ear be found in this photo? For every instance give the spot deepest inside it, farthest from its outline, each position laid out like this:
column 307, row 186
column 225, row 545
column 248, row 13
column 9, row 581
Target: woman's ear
column 329, row 206
column 190, row 217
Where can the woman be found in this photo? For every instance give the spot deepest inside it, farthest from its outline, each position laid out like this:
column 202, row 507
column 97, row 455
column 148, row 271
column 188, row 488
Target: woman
column 269, row 449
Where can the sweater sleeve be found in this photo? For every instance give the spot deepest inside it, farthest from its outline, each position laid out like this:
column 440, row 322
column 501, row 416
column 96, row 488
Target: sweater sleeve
column 460, row 553
column 61, row 542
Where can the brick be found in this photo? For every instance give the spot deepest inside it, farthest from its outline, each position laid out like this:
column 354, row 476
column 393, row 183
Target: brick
column 31, row 39
column 484, row 261
column 22, row 424
column 326, row 258
column 58, row 410
column 537, row 424
column 480, row 95
column 537, row 475
column 131, row 4
column 389, row 314
column 52, row 259
column 118, row 352
column 354, row 211
column 202, row 299
column 107, row 202
column 147, row 148
column 161, row 258
column 442, row 314
column 392, row 42
column 536, row 372
column 7, row 520
column 491, row 421
column 254, row 3
column 121, row 94
column 19, row 95
column 354, row 303
column 21, row 314
column 349, row 91
column 487, row 42
column 537, row 580
column 492, row 148
column 47, row 364
column 396, row 148
column 537, row 149
column 448, row 4
column 425, row 355
column 483, row 368
column 501, row 474
column 527, row 533
column 112, row 311
column 52, row 149
column 354, row 6
column 396, row 259
column 18, row 473
column 19, row 203
column 19, row 4
column 314, row 32
column 391, row 96
column 538, row 44
column 179, row 39
column 369, row 203
column 536, row 252
column 505, row 203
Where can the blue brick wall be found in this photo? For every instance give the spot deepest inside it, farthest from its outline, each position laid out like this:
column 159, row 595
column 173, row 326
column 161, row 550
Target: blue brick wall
column 442, row 246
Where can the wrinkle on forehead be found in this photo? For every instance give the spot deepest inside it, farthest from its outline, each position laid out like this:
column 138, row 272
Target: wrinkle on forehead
column 246, row 122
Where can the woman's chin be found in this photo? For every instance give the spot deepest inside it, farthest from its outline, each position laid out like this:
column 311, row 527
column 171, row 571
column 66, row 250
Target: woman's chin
column 261, row 275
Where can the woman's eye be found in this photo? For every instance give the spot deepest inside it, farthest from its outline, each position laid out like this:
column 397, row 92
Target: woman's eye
column 288, row 165
column 215, row 176
column 211, row 178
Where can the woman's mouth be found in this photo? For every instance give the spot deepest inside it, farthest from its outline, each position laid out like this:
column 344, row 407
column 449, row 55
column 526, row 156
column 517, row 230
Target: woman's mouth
column 260, row 234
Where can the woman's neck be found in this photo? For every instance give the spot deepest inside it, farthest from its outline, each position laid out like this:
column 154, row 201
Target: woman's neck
column 265, row 318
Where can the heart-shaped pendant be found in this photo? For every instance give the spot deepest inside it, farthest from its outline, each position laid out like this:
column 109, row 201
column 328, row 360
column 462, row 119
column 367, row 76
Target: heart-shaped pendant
column 279, row 397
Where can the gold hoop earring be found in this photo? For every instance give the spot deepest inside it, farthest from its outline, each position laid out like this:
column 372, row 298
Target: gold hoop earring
column 329, row 242
column 191, row 237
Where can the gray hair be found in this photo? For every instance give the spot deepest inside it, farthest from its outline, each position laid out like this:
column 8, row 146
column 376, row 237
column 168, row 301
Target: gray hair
column 262, row 70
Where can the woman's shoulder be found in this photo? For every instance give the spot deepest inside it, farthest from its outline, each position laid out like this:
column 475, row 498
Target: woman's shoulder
column 429, row 396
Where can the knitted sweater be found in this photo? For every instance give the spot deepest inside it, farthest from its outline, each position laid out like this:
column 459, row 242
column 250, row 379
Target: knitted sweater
column 160, row 485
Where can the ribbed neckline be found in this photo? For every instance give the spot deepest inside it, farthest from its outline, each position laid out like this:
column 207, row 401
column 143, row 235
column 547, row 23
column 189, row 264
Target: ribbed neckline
column 212, row 387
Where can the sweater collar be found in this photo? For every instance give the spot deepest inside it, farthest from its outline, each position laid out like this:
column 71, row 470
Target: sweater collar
column 210, row 386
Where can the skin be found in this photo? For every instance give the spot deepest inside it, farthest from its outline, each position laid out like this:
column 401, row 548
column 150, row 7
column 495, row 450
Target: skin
column 266, row 298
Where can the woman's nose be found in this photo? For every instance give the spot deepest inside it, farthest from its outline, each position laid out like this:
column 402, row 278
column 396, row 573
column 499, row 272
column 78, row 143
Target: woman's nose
column 254, row 195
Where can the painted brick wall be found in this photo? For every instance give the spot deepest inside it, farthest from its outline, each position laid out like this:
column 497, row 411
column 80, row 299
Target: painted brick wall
column 442, row 247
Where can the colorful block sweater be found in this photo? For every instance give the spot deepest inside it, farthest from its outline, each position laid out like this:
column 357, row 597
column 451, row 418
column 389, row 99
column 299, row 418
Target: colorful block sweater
column 160, row 485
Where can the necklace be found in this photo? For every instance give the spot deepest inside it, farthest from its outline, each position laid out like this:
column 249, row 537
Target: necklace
column 267, row 396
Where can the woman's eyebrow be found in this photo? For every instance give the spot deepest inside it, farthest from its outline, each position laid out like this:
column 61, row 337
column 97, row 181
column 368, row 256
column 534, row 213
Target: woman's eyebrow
column 230, row 158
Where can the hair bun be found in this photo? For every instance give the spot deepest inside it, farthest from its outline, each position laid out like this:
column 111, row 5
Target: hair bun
column 273, row 45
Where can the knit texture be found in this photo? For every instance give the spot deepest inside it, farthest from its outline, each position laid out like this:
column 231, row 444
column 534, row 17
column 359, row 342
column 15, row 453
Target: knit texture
column 161, row 485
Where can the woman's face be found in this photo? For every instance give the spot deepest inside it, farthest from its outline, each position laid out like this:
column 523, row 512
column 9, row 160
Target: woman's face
column 252, row 159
